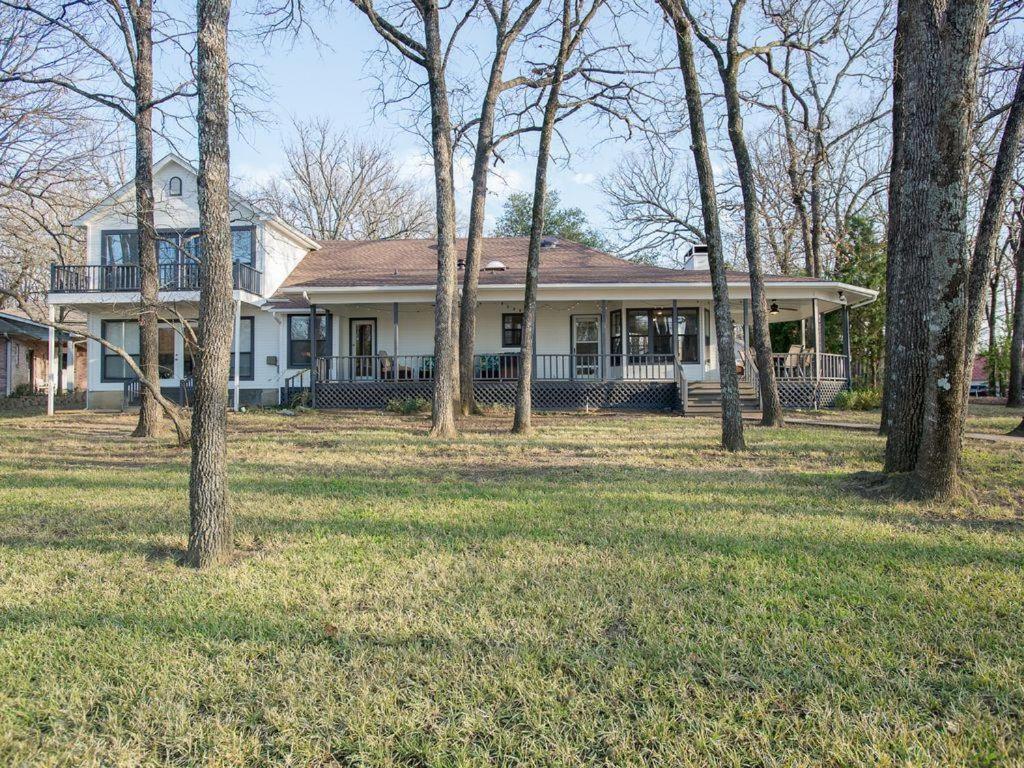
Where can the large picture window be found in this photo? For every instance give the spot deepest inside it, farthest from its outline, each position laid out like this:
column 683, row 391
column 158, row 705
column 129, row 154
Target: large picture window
column 649, row 333
column 246, row 342
column 123, row 334
column 299, row 354
column 615, row 321
column 246, row 352
column 243, row 246
column 119, row 248
column 512, row 329
column 165, row 351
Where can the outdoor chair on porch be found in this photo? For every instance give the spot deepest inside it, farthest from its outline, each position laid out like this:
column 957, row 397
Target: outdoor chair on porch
column 797, row 362
column 387, row 367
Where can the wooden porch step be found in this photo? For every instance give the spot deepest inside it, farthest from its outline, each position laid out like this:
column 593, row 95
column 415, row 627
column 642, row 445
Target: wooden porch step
column 704, row 398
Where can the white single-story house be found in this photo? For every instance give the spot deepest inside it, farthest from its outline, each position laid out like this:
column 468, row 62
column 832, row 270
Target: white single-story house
column 609, row 331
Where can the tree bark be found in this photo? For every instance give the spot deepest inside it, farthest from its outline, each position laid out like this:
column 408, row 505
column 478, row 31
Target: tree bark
column 732, row 417
column 987, row 241
column 211, row 532
column 795, row 182
column 149, row 352
column 771, row 406
column 475, row 235
column 1015, row 393
column 938, row 97
column 445, row 350
column 892, row 277
column 522, row 421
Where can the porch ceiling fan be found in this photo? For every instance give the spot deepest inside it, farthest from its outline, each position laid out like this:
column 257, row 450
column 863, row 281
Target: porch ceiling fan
column 774, row 309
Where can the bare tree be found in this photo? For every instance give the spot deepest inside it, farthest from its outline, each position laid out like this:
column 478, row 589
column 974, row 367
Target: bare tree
column 732, row 417
column 508, row 27
column 729, row 58
column 653, row 204
column 1015, row 393
column 102, row 51
column 986, row 243
column 415, row 32
column 937, row 63
column 339, row 187
column 575, row 19
column 211, row 535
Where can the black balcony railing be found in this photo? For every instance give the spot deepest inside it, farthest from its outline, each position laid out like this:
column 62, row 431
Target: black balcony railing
column 122, row 278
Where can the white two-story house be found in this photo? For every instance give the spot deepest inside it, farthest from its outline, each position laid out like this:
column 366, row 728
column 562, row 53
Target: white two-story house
column 610, row 333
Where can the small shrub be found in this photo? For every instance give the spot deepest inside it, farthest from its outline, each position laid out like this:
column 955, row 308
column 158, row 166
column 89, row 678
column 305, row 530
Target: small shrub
column 22, row 390
column 407, row 405
column 300, row 400
column 859, row 400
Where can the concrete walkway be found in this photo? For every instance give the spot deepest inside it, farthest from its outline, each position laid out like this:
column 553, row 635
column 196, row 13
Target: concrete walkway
column 992, row 437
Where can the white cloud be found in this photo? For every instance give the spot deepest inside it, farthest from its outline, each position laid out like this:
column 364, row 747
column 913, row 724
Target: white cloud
column 584, row 178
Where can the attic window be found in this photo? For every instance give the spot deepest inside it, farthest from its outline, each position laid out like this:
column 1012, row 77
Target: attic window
column 174, row 186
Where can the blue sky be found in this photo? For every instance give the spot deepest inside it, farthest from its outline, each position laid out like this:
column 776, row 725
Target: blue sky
column 335, row 80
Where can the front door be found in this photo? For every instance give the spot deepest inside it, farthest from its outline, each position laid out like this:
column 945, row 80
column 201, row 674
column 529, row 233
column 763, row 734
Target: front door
column 586, row 346
column 363, row 348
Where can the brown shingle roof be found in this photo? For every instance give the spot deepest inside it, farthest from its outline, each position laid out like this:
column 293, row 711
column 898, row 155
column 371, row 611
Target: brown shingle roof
column 357, row 263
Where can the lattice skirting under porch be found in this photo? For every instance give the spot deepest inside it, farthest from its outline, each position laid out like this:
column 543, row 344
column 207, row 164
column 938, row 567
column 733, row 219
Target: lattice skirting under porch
column 808, row 393
column 547, row 395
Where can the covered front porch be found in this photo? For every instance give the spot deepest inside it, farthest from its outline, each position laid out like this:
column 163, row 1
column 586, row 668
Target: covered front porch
column 589, row 352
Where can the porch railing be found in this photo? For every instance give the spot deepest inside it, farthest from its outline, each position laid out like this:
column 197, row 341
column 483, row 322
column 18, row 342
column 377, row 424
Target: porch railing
column 122, row 278
column 801, row 365
column 499, row 366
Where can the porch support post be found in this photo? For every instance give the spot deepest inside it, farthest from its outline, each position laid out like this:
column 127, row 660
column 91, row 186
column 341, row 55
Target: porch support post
column 746, row 325
column 701, row 350
column 602, row 348
column 312, row 354
column 51, row 370
column 394, row 337
column 675, row 331
column 846, row 346
column 817, row 351
column 238, row 343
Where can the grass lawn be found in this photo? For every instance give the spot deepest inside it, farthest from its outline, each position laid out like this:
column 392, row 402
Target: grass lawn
column 615, row 590
column 981, row 417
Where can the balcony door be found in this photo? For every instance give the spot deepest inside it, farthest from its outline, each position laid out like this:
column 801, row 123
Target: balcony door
column 586, row 347
column 363, row 348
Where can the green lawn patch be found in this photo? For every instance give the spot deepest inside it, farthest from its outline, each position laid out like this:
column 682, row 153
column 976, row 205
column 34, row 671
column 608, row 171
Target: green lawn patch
column 616, row 590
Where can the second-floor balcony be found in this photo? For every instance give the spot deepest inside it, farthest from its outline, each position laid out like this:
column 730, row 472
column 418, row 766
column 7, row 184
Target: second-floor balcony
column 127, row 278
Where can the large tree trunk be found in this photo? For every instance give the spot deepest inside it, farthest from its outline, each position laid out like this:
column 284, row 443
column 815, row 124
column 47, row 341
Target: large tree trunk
column 904, row 332
column 445, row 352
column 732, row 416
column 940, row 72
column 474, row 244
column 1015, row 394
column 771, row 406
column 522, row 421
column 987, row 241
column 211, row 536
column 149, row 410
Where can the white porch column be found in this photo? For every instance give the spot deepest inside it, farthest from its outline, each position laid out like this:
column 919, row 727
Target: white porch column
column 604, row 347
column 394, row 335
column 817, row 339
column 51, row 368
column 238, row 342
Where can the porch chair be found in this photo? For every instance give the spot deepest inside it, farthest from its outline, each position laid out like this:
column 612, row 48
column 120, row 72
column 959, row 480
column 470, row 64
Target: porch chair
column 792, row 363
